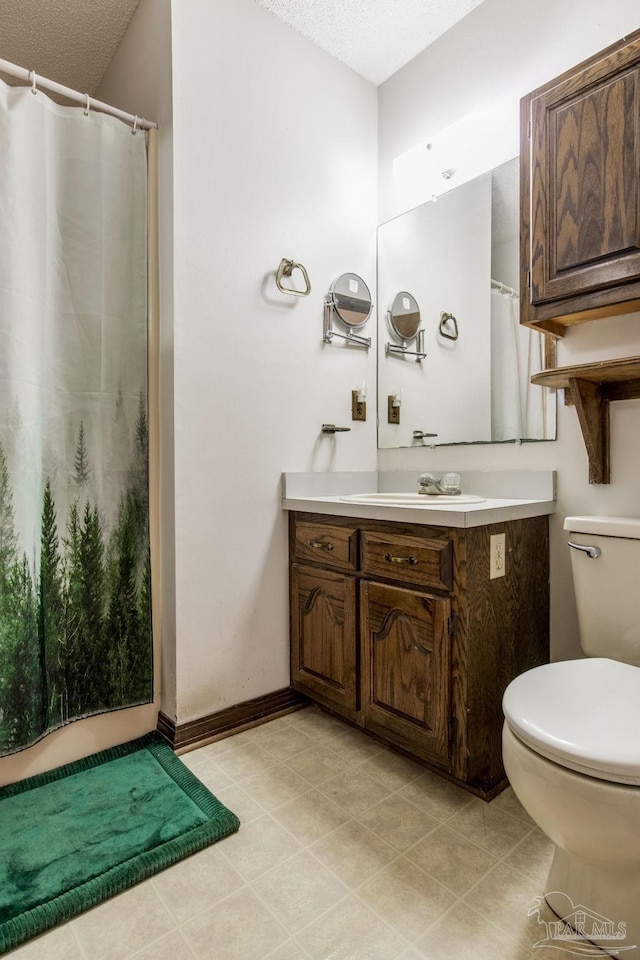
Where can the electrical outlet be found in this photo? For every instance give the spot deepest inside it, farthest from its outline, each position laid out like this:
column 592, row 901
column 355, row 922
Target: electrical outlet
column 393, row 410
column 497, row 555
column 358, row 407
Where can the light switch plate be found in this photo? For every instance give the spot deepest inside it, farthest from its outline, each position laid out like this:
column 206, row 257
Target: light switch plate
column 358, row 407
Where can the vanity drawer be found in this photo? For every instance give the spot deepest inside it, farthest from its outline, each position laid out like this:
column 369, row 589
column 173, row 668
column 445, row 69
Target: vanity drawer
column 331, row 546
column 414, row 560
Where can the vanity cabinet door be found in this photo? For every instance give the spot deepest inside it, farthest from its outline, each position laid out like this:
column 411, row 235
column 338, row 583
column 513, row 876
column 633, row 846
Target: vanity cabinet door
column 323, row 637
column 581, row 192
column 405, row 668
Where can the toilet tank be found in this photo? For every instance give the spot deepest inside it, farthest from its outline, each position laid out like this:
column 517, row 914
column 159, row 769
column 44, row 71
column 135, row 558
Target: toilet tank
column 607, row 587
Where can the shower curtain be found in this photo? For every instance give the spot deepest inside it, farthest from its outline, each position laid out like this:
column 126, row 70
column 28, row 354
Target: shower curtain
column 518, row 409
column 75, row 581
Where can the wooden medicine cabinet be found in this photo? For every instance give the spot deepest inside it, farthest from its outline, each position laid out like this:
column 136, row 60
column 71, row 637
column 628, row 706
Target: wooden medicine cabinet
column 580, row 192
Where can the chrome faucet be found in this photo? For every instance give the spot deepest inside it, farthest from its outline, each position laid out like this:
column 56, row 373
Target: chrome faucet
column 448, row 485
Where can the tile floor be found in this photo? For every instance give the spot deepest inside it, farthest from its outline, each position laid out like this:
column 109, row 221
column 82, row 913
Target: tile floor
column 347, row 851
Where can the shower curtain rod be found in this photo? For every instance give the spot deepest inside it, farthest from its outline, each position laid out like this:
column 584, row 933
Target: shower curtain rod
column 503, row 288
column 36, row 81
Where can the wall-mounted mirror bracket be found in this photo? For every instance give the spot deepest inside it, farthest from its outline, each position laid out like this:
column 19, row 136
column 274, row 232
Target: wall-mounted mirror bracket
column 329, row 333
column 349, row 302
column 402, row 350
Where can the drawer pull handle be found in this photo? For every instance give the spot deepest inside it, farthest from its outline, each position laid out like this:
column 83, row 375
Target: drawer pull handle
column 412, row 561
column 320, row 545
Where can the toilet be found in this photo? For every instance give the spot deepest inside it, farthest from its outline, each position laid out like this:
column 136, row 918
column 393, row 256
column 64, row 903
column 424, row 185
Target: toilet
column 571, row 743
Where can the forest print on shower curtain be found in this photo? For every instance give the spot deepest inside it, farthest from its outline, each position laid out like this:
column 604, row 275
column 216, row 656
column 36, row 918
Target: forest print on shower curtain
column 75, row 583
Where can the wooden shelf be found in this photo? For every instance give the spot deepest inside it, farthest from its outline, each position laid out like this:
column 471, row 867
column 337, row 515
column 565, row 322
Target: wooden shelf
column 591, row 387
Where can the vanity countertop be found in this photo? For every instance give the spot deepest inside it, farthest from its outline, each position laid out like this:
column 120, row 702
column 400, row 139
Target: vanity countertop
column 493, row 509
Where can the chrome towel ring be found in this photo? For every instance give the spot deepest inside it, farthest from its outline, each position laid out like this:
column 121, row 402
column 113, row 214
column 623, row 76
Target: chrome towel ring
column 285, row 269
column 446, row 318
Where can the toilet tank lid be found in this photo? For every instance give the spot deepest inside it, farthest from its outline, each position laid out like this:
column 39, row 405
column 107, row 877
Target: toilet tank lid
column 605, row 526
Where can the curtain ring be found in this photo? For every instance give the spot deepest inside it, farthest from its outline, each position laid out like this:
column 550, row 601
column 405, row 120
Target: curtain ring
column 87, row 106
column 34, row 89
column 135, row 125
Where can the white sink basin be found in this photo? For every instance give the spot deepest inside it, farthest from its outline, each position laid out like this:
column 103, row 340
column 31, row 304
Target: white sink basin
column 412, row 499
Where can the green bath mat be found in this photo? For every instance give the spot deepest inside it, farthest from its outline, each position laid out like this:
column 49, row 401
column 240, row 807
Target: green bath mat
column 72, row 837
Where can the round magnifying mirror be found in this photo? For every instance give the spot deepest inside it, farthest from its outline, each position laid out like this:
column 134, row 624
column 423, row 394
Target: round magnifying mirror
column 404, row 316
column 351, row 300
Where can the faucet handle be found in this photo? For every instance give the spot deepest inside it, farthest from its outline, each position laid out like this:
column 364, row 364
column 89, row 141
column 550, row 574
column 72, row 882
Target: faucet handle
column 420, row 434
column 448, row 484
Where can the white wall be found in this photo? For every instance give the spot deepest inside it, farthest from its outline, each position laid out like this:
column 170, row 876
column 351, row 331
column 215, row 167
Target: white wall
column 501, row 51
column 274, row 156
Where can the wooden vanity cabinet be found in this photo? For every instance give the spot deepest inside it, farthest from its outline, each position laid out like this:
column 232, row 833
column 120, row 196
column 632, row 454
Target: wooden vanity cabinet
column 405, row 634
column 580, row 192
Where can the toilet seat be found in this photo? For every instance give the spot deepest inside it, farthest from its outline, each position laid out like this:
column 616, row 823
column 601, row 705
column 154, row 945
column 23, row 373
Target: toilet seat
column 581, row 714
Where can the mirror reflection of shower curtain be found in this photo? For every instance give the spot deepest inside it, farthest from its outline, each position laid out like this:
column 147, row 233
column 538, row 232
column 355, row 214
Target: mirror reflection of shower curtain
column 518, row 408
column 75, row 604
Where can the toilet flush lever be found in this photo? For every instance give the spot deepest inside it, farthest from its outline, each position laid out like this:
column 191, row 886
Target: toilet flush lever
column 593, row 552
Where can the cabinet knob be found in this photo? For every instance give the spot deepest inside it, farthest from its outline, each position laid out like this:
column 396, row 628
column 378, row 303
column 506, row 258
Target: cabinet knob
column 321, row 545
column 412, row 561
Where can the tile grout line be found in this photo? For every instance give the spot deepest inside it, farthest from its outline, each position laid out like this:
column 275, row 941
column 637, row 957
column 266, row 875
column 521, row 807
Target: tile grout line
column 291, row 935
column 177, row 929
column 76, row 936
column 350, row 892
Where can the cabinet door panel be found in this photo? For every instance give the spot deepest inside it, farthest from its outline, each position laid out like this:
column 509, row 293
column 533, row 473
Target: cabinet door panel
column 323, row 636
column 594, row 185
column 585, row 226
column 406, row 667
column 581, row 186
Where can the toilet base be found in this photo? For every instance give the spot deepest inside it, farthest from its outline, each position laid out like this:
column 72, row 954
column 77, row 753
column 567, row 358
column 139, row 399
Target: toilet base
column 595, row 826
column 611, row 919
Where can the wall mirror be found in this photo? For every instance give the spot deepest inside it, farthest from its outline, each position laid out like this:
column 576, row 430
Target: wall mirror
column 348, row 301
column 403, row 320
column 404, row 317
column 459, row 257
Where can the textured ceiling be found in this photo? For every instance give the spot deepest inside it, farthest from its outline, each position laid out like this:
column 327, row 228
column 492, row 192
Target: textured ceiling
column 373, row 37
column 70, row 41
column 73, row 41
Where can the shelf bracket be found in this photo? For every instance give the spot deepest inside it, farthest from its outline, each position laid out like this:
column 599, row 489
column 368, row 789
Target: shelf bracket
column 591, row 387
column 592, row 408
